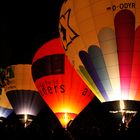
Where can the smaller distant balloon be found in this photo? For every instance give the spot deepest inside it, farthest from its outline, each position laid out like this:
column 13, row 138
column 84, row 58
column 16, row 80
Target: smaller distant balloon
column 22, row 93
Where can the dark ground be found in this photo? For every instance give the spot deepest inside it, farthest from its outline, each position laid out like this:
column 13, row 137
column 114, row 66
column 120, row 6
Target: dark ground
column 93, row 122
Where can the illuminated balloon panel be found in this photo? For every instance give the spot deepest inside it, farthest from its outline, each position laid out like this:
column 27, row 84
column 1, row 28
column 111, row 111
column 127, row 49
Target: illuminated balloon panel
column 58, row 83
column 5, row 106
column 21, row 91
column 102, row 40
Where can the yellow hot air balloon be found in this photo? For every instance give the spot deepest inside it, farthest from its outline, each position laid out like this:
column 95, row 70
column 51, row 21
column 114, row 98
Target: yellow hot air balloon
column 102, row 40
column 58, row 83
column 22, row 93
column 5, row 106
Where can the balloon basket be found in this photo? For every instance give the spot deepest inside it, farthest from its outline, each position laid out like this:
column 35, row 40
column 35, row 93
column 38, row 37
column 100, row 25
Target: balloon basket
column 26, row 119
column 124, row 111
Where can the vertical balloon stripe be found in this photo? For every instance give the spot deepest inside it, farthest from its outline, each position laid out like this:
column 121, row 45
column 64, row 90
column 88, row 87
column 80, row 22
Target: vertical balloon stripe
column 135, row 80
column 71, row 87
column 86, row 60
column 100, row 67
column 108, row 47
column 125, row 29
column 68, row 96
column 89, row 81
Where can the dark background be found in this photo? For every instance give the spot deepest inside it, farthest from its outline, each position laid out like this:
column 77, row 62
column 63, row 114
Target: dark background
column 24, row 27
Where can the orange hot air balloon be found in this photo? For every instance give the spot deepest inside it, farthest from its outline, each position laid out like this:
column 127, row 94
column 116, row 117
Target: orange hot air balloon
column 58, row 83
column 102, row 41
column 22, row 93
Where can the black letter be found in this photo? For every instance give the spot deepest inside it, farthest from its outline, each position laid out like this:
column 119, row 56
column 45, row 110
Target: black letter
column 62, row 89
column 43, row 88
column 49, row 90
column 133, row 5
column 55, row 88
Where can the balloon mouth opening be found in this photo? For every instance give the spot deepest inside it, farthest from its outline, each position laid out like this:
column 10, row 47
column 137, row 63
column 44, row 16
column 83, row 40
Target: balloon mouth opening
column 26, row 119
column 122, row 105
column 124, row 110
column 65, row 118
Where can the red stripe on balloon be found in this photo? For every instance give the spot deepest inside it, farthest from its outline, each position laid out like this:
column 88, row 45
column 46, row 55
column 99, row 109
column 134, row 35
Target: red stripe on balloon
column 125, row 33
column 136, row 64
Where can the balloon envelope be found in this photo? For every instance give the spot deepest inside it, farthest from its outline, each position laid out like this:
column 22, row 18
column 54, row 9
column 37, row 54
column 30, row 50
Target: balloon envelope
column 5, row 106
column 22, row 93
column 102, row 40
column 58, row 83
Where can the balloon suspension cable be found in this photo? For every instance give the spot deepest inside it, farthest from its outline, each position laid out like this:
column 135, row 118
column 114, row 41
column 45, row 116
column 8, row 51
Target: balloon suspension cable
column 26, row 119
column 126, row 116
column 67, row 132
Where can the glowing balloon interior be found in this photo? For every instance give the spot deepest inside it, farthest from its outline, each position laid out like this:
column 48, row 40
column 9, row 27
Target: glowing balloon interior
column 22, row 93
column 58, row 82
column 102, row 40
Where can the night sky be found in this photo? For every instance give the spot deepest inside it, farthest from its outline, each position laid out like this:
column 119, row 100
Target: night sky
column 24, row 27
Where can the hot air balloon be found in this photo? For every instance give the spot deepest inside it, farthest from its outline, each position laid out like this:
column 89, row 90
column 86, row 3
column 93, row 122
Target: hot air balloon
column 22, row 93
column 5, row 106
column 102, row 41
column 58, row 83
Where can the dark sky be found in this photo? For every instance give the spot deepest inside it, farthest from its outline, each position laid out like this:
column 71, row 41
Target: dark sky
column 24, row 27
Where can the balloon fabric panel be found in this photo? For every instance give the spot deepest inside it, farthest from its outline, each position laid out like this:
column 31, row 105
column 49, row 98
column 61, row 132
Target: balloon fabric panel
column 112, row 28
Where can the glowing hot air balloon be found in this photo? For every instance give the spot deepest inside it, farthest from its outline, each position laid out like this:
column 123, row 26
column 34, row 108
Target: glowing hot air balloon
column 22, row 93
column 5, row 106
column 58, row 82
column 102, row 40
